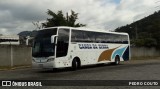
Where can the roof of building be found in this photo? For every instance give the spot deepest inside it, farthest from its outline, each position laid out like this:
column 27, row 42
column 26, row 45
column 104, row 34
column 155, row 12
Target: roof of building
column 9, row 38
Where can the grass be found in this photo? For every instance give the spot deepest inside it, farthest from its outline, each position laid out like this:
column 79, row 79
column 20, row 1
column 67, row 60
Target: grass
column 14, row 67
column 4, row 67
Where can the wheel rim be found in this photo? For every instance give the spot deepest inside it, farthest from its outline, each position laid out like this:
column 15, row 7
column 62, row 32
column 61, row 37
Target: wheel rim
column 76, row 64
column 117, row 61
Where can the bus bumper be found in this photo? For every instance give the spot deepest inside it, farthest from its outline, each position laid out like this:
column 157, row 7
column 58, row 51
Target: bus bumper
column 42, row 65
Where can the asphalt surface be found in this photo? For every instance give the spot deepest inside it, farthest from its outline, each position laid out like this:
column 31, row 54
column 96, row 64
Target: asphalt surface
column 132, row 70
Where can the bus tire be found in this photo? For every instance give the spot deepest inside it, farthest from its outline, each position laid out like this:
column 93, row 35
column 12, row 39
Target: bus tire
column 117, row 60
column 75, row 64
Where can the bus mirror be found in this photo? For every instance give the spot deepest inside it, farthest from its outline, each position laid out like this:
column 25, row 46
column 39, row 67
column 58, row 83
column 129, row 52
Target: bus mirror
column 53, row 38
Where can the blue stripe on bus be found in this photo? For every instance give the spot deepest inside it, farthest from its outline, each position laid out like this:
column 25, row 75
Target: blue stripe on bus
column 118, row 52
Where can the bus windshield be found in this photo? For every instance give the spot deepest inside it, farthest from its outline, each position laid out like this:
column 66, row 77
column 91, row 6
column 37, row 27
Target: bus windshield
column 42, row 44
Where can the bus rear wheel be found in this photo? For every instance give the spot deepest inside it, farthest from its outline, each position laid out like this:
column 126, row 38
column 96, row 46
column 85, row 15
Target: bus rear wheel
column 75, row 64
column 117, row 60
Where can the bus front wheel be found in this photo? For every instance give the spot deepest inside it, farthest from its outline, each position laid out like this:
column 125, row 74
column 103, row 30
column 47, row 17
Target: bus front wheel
column 75, row 64
column 117, row 60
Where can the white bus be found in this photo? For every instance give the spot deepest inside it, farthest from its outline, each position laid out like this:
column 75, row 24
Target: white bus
column 59, row 47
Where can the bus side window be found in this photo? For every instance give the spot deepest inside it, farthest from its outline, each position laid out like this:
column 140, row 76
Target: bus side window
column 62, row 42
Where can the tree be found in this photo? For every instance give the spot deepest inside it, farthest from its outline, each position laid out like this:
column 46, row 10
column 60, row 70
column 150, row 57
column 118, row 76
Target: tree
column 58, row 19
column 37, row 24
column 148, row 30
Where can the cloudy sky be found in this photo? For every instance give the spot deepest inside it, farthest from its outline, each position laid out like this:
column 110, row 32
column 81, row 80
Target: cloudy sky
column 18, row 15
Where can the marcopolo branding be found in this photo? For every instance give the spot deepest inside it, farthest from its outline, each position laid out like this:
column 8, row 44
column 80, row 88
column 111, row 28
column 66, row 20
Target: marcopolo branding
column 93, row 46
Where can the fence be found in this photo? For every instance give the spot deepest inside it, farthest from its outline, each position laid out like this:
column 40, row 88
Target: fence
column 144, row 52
column 15, row 55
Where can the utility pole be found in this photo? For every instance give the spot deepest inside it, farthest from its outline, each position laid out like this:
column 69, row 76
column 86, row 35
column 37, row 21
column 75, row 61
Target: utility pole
column 136, row 32
column 67, row 17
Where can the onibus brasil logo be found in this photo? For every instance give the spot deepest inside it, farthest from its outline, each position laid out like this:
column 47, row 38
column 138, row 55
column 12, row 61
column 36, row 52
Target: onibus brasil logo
column 20, row 83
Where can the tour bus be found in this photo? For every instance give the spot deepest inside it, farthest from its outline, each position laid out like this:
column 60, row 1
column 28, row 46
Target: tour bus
column 60, row 47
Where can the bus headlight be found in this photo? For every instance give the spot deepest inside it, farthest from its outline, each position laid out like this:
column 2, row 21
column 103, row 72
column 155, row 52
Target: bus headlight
column 50, row 59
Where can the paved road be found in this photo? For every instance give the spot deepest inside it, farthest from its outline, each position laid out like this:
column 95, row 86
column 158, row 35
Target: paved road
column 131, row 70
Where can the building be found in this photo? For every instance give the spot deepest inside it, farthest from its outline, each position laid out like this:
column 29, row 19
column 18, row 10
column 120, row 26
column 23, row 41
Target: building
column 9, row 39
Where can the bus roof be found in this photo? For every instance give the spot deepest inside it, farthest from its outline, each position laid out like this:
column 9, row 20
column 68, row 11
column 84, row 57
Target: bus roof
column 88, row 29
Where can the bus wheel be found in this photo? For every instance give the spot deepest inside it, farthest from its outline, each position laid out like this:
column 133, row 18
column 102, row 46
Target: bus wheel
column 117, row 60
column 75, row 64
